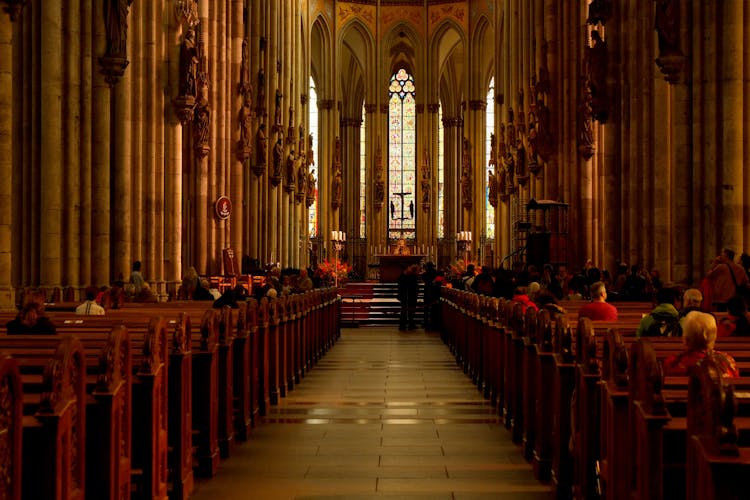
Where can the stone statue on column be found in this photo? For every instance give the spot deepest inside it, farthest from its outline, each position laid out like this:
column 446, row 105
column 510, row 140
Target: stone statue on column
column 245, row 89
column 310, row 192
column 585, row 133
column 426, row 184
column 261, row 101
column 301, row 180
column 337, row 186
column 261, row 150
column 278, row 152
column 201, row 122
column 492, row 187
column 671, row 59
column 277, row 111
column 115, row 59
column 596, row 60
column 466, row 200
column 289, row 177
column 301, row 139
column 116, row 14
column 188, row 64
column 379, row 184
column 310, row 152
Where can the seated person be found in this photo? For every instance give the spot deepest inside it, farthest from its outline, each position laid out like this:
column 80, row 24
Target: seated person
column 691, row 301
column 735, row 323
column 146, row 295
column 90, row 307
column 304, row 283
column 664, row 318
column 545, row 299
column 31, row 320
column 228, row 298
column 483, row 282
column 598, row 309
column 699, row 335
column 519, row 295
column 202, row 292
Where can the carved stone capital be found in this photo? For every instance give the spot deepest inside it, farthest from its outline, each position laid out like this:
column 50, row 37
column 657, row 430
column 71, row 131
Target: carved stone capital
column 326, row 104
column 14, row 8
column 419, row 108
column 303, row 99
column 671, row 66
column 384, row 109
column 433, row 108
column 351, row 122
column 113, row 68
column 184, row 106
column 371, row 108
column 477, row 105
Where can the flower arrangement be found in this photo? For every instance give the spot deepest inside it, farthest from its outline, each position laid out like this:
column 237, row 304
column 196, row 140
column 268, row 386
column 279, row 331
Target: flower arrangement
column 327, row 271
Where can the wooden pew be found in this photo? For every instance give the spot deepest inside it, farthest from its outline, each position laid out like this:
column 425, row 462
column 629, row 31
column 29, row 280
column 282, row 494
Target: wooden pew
column 717, row 465
column 11, row 427
column 53, row 384
column 205, row 395
column 177, row 361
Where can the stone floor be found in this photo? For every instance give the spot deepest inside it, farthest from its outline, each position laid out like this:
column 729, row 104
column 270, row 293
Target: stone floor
column 385, row 414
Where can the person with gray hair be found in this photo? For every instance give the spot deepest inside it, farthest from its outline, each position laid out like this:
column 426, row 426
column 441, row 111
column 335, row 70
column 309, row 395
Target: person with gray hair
column 598, row 309
column 692, row 299
column 698, row 336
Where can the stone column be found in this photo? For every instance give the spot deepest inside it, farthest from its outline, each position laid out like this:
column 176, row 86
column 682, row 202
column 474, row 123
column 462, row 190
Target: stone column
column 127, row 223
column 72, row 147
column 51, row 96
column 173, row 176
column 7, row 293
column 452, row 145
column 731, row 142
column 326, row 215
column 100, row 160
column 237, row 164
column 202, row 204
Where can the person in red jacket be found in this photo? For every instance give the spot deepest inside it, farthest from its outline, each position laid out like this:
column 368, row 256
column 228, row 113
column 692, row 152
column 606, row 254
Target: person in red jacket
column 598, row 309
column 519, row 295
column 699, row 335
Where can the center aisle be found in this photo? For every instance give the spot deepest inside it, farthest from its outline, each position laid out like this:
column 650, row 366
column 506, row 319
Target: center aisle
column 383, row 414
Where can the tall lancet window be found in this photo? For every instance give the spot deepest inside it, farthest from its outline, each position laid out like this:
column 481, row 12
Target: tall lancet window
column 402, row 165
column 362, row 175
column 312, row 221
column 489, row 129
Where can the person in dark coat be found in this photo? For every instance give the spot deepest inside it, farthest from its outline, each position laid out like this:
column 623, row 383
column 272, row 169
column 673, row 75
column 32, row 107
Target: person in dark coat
column 31, row 320
column 408, row 287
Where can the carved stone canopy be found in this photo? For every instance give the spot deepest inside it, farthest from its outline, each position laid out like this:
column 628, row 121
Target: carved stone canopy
column 14, row 8
column 113, row 68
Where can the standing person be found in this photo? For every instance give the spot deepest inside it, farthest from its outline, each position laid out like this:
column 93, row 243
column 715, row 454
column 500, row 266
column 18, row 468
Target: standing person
column 664, row 318
column 598, row 309
column 136, row 278
column 407, row 295
column 726, row 278
column 90, row 307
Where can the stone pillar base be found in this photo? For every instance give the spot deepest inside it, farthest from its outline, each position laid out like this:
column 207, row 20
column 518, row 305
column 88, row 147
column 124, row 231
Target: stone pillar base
column 7, row 298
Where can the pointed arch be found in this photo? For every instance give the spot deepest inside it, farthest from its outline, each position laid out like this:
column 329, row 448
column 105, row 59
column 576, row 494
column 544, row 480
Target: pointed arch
column 357, row 57
column 447, row 57
column 321, row 55
column 483, row 52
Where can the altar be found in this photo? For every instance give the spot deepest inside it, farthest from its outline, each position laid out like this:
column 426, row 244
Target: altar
column 392, row 265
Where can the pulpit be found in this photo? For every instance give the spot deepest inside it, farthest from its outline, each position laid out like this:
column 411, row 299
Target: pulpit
column 391, row 265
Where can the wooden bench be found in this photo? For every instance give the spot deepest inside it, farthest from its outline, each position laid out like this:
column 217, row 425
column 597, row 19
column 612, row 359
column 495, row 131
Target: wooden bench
column 53, row 389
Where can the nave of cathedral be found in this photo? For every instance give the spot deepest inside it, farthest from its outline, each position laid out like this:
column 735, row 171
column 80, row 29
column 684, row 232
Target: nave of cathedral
column 385, row 414
column 169, row 131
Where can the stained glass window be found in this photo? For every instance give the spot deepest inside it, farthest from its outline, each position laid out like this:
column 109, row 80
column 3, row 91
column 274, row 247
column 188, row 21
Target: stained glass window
column 362, row 176
column 312, row 221
column 441, row 175
column 402, row 164
column 489, row 129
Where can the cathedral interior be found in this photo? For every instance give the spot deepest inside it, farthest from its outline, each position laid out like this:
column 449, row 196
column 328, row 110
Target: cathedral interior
column 496, row 131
